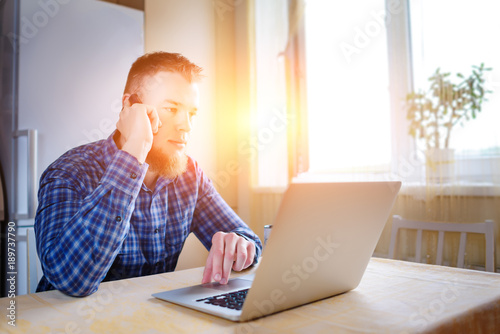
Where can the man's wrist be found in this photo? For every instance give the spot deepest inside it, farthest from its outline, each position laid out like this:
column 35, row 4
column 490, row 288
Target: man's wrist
column 137, row 149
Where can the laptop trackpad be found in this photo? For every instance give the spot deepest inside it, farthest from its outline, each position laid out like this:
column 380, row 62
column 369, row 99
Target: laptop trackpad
column 232, row 284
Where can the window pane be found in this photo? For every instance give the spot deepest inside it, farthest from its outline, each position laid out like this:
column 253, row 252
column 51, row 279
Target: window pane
column 347, row 85
column 454, row 40
column 270, row 136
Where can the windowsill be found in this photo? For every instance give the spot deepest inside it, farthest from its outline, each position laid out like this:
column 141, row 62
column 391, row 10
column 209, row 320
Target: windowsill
column 475, row 189
column 267, row 190
column 417, row 189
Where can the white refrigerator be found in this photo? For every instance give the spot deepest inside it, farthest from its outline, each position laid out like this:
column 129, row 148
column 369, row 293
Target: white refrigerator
column 67, row 72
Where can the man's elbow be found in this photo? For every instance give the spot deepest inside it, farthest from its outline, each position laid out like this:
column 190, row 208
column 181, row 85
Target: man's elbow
column 69, row 280
column 73, row 288
column 82, row 291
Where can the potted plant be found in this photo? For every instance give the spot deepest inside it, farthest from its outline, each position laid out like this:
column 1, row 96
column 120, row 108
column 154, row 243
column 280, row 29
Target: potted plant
column 434, row 113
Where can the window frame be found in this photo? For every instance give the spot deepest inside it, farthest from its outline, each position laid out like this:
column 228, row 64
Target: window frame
column 407, row 161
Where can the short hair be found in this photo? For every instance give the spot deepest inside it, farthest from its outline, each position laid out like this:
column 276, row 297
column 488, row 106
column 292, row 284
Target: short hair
column 151, row 63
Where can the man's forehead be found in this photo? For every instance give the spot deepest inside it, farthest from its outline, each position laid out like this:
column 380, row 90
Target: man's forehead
column 166, row 80
column 161, row 77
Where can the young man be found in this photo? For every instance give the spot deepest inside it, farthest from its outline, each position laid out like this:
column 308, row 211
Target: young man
column 123, row 207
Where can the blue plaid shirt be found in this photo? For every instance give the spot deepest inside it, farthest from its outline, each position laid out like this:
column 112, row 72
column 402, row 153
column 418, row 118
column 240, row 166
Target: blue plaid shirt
column 96, row 220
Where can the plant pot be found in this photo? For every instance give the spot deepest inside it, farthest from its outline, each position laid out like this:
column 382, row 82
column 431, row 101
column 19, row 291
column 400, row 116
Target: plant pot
column 440, row 165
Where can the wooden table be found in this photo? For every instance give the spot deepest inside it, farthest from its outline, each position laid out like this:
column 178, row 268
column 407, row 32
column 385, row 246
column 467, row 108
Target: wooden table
column 393, row 297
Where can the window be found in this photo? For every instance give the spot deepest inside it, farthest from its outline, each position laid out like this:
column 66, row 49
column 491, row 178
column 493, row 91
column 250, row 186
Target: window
column 455, row 42
column 363, row 57
column 347, row 86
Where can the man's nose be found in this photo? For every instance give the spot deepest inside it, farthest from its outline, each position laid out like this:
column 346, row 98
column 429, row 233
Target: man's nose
column 184, row 122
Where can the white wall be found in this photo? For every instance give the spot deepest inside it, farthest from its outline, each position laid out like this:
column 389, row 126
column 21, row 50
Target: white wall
column 188, row 27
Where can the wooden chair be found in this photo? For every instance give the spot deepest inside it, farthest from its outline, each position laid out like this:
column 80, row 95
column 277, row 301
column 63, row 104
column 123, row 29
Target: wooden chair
column 486, row 228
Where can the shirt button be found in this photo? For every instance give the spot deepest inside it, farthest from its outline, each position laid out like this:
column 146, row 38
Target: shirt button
column 118, row 218
column 158, row 264
column 133, row 176
column 157, row 230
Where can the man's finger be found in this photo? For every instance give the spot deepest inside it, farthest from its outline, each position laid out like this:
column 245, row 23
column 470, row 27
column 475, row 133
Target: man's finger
column 218, row 255
column 250, row 255
column 154, row 119
column 207, row 272
column 133, row 99
column 241, row 254
column 229, row 255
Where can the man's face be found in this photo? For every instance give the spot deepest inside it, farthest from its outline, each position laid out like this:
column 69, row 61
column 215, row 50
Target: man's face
column 176, row 101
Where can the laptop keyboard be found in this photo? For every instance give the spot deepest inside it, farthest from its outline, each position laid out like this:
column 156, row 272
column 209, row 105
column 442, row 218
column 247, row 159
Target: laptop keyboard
column 232, row 300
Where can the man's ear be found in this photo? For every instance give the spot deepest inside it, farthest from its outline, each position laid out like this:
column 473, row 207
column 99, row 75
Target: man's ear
column 125, row 97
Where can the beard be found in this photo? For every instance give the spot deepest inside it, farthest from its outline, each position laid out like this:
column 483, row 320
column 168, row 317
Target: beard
column 165, row 165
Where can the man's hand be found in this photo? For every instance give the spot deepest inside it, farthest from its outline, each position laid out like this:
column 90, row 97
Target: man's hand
column 229, row 251
column 137, row 124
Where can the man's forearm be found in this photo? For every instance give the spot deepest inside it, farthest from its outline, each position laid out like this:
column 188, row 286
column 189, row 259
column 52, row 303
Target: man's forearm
column 78, row 240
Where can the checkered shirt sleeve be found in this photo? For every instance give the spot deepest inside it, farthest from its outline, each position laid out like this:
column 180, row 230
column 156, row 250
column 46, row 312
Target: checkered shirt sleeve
column 80, row 230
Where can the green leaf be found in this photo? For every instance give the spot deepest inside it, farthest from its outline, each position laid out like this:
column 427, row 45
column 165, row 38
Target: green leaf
column 445, row 104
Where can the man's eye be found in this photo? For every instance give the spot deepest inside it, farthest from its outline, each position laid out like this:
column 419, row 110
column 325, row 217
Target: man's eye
column 174, row 110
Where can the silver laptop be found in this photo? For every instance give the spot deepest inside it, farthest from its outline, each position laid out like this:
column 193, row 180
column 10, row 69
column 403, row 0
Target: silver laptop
column 321, row 242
